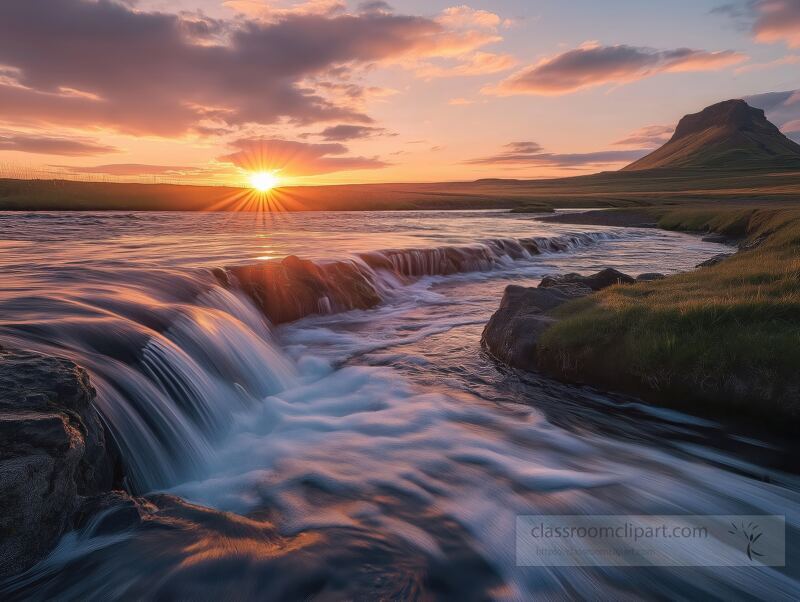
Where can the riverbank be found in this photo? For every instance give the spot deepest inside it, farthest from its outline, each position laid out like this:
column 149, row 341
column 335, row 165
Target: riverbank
column 724, row 338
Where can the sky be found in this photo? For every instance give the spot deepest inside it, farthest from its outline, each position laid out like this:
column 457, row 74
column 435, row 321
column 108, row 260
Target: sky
column 328, row 91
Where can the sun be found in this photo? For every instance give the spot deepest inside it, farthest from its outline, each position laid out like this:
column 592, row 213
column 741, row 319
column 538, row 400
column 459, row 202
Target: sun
column 263, row 181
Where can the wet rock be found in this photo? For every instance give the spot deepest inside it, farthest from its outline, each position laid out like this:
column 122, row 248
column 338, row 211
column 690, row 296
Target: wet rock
column 718, row 238
column 111, row 512
column 714, row 260
column 513, row 330
column 53, row 451
column 293, row 288
column 600, row 280
column 650, row 276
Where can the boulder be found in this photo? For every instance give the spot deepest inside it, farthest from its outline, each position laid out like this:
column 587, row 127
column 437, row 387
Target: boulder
column 650, row 276
column 513, row 330
column 600, row 280
column 53, row 452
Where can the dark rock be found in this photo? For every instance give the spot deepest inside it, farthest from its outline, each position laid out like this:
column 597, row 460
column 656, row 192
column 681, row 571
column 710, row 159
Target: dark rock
column 714, row 260
column 571, row 289
column 112, row 512
column 600, row 280
column 513, row 330
column 718, row 238
column 649, row 277
column 53, row 451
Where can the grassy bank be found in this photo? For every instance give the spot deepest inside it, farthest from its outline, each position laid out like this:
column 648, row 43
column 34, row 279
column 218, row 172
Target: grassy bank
column 726, row 336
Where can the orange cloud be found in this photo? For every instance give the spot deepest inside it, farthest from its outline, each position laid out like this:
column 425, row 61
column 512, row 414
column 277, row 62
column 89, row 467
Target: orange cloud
column 479, row 63
column 290, row 158
column 134, row 169
column 593, row 65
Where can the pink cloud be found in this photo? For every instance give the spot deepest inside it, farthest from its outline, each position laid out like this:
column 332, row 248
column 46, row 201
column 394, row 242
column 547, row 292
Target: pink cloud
column 649, row 136
column 594, row 65
column 778, row 21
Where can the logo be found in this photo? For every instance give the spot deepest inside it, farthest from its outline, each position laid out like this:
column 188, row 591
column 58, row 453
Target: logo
column 751, row 534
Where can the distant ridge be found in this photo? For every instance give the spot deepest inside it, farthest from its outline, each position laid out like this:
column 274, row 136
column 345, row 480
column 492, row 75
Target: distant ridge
column 729, row 134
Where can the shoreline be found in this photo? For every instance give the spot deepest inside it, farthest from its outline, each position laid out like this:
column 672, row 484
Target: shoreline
column 707, row 341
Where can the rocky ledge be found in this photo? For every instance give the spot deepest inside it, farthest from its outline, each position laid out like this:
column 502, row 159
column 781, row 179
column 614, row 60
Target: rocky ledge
column 54, row 454
column 512, row 333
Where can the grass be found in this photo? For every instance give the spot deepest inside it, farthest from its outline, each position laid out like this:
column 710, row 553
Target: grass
column 726, row 337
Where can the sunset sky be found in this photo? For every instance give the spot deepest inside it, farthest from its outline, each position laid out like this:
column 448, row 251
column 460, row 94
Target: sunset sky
column 325, row 91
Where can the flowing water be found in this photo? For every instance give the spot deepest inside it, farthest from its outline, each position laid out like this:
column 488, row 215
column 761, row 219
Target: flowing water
column 375, row 453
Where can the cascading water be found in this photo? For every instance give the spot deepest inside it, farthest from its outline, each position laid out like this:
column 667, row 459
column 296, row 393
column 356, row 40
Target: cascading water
column 374, row 453
column 175, row 355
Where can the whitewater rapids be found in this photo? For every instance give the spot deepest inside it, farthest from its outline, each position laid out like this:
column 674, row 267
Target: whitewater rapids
column 364, row 450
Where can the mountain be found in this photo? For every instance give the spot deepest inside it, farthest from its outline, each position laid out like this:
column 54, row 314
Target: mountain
column 729, row 134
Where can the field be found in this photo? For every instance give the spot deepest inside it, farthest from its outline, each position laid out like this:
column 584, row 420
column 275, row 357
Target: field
column 608, row 189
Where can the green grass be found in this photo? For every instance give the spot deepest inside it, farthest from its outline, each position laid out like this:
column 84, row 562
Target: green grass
column 725, row 338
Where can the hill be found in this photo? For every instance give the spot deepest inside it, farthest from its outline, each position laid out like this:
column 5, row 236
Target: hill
column 729, row 135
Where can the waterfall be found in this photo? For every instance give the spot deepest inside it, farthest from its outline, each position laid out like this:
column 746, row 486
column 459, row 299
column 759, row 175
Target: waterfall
column 175, row 355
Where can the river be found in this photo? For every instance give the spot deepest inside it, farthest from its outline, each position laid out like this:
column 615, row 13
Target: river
column 367, row 454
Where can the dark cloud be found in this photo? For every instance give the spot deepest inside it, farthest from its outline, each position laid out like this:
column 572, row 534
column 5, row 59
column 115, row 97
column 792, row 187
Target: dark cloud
column 101, row 63
column 342, row 133
column 736, row 10
column 531, row 154
column 781, row 108
column 648, row 137
column 374, row 6
column 52, row 145
column 295, row 158
column 594, row 65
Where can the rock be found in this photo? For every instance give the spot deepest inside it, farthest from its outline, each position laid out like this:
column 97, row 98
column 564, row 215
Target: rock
column 293, row 288
column 113, row 512
column 600, row 280
column 512, row 333
column 53, row 451
column 513, row 330
column 714, row 260
column 718, row 238
column 571, row 289
column 650, row 276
